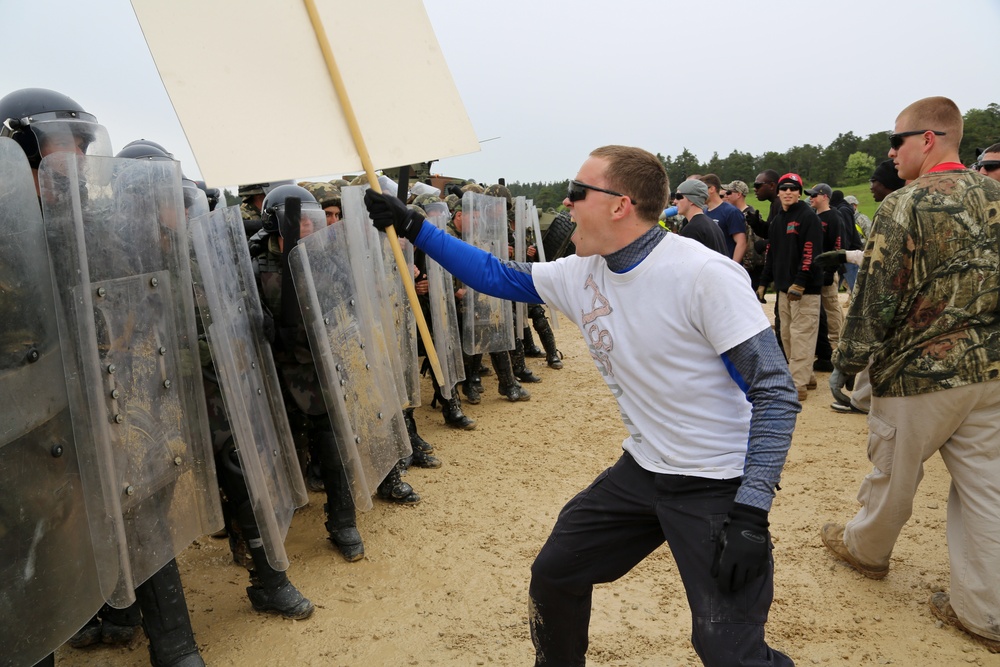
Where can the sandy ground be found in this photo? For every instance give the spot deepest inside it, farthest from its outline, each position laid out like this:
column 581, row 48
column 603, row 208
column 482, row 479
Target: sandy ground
column 445, row 582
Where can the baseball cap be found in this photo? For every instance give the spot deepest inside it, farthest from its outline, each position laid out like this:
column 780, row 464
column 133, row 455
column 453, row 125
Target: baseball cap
column 737, row 186
column 820, row 189
column 851, row 199
column 791, row 178
column 694, row 190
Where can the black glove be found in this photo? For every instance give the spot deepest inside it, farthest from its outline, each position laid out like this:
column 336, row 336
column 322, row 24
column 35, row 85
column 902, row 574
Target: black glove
column 268, row 329
column 743, row 550
column 831, row 259
column 387, row 211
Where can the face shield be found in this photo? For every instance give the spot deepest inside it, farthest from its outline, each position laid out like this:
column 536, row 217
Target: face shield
column 62, row 132
column 312, row 220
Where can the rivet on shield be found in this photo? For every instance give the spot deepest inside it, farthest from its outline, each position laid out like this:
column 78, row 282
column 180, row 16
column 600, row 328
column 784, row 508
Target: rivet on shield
column 115, row 393
column 259, row 391
column 274, row 452
column 239, row 309
column 57, row 451
column 101, row 291
column 33, row 356
column 111, row 368
column 153, row 282
column 253, row 364
column 357, row 438
column 162, row 351
column 367, row 366
column 326, row 320
column 177, row 460
column 351, row 302
column 130, row 489
column 166, row 384
column 380, row 415
column 337, row 367
column 343, row 382
column 119, row 418
column 362, row 346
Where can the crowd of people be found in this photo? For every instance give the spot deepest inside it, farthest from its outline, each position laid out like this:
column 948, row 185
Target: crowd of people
column 917, row 351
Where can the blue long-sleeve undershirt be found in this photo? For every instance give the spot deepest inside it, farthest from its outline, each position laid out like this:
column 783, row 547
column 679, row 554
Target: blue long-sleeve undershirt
column 477, row 268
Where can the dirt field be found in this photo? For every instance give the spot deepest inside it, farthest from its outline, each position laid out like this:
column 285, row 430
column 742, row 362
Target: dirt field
column 445, row 582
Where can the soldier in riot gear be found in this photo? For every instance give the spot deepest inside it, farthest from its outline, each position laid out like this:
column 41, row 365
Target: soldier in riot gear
column 44, row 122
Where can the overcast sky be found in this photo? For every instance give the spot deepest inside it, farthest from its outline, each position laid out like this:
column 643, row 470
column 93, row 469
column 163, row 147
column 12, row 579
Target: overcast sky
column 555, row 79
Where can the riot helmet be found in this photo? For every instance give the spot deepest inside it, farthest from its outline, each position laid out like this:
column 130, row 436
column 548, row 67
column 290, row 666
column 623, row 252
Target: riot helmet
column 147, row 142
column 273, row 210
column 141, row 150
column 43, row 121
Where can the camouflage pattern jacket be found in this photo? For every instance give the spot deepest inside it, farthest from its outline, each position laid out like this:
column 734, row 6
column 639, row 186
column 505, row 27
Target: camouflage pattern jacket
column 926, row 307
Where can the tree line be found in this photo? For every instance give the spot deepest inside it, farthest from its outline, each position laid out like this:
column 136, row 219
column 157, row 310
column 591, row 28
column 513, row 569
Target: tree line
column 847, row 160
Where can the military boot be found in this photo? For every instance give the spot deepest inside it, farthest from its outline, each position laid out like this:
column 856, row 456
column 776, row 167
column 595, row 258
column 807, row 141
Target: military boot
column 451, row 409
column 341, row 517
column 395, row 490
column 553, row 357
column 530, row 349
column 271, row 591
column 120, row 626
column 507, row 383
column 422, row 449
column 472, row 390
column 521, row 371
column 166, row 621
column 472, row 386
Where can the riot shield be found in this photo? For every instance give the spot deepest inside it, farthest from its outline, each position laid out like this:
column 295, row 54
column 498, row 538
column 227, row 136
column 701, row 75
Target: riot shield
column 372, row 279
column 520, row 255
column 403, row 321
column 444, row 314
column 350, row 351
column 231, row 313
column 57, row 533
column 487, row 325
column 117, row 238
column 540, row 248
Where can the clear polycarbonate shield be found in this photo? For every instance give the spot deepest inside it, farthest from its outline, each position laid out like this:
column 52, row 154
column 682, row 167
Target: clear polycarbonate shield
column 520, row 255
column 402, row 320
column 379, row 295
column 540, row 249
column 230, row 310
column 444, row 315
column 56, row 531
column 118, row 241
column 350, row 351
column 487, row 325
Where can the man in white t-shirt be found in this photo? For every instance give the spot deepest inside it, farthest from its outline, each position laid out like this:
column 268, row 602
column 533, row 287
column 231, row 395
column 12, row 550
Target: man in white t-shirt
column 709, row 415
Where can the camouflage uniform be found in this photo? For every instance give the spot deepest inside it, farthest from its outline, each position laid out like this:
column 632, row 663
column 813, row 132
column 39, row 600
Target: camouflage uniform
column 926, row 312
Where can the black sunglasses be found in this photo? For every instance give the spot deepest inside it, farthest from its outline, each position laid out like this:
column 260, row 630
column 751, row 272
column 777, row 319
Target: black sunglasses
column 760, row 185
column 678, row 197
column 578, row 192
column 988, row 165
column 896, row 139
column 729, row 192
column 786, row 187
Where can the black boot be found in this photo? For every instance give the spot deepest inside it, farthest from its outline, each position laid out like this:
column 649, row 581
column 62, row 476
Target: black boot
column 451, row 409
column 395, row 490
column 422, row 449
column 166, row 621
column 530, row 349
column 507, row 383
column 472, row 385
column 271, row 591
column 120, row 626
column 553, row 357
column 521, row 372
column 341, row 518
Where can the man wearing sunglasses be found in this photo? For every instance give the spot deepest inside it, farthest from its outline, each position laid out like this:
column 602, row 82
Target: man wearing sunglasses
column 989, row 162
column 926, row 311
column 796, row 237
column 690, row 201
column 709, row 415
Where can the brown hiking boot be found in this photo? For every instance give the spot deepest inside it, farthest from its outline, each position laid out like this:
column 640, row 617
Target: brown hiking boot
column 833, row 537
column 940, row 604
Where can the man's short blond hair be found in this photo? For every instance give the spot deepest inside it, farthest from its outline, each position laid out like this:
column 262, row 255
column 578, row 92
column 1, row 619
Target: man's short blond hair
column 638, row 174
column 935, row 113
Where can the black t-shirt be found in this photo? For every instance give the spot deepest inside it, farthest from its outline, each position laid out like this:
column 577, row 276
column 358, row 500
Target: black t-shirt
column 705, row 231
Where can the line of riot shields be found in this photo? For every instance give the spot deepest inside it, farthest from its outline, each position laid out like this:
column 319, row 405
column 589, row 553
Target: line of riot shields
column 106, row 462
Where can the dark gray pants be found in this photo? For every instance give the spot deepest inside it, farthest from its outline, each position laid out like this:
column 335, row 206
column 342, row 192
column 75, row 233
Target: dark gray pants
column 608, row 528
